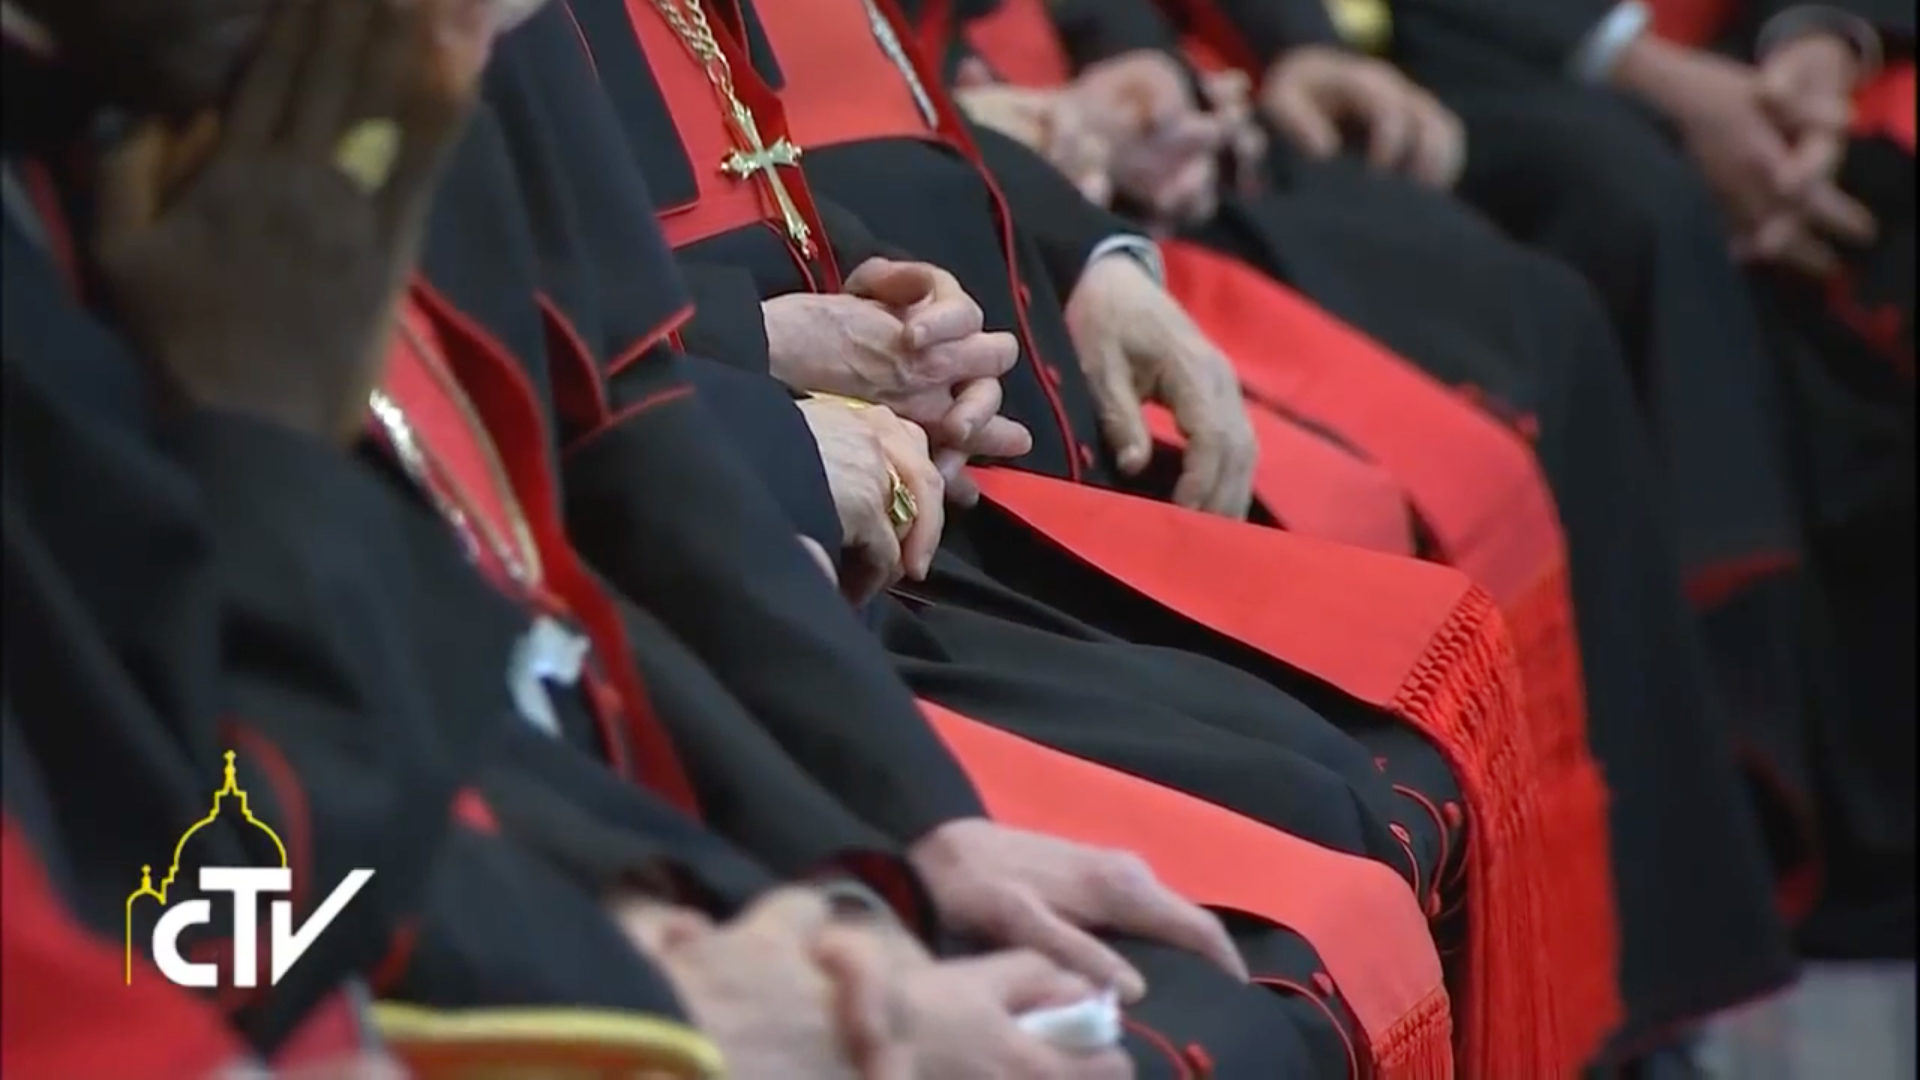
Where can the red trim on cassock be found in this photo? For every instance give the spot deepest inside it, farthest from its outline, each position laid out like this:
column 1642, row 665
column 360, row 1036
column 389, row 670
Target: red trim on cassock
column 723, row 202
column 1357, row 912
column 636, row 743
column 64, row 1004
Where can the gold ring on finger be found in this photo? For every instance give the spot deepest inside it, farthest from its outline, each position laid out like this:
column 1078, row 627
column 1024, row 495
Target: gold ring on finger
column 367, row 153
column 902, row 507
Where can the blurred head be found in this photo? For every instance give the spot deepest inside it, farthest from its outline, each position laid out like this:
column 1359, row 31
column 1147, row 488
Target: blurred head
column 175, row 56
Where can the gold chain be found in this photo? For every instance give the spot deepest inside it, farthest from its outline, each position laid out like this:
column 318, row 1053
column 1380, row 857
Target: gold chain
column 688, row 19
column 521, row 556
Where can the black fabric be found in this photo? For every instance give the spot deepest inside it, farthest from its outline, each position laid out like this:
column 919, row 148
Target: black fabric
column 896, row 210
column 285, row 599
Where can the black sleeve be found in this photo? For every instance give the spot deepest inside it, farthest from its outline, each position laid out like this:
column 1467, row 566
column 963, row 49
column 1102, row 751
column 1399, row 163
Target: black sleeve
column 1065, row 227
column 677, row 521
column 726, row 321
column 853, row 242
column 760, row 417
column 1543, row 35
column 1271, row 27
column 1094, row 30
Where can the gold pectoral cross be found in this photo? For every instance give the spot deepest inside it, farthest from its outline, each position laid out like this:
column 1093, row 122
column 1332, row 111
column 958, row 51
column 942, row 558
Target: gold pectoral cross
column 758, row 157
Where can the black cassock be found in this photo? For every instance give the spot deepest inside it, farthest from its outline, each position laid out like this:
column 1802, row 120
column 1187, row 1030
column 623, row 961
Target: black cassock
column 966, row 640
column 1838, row 361
column 1659, row 720
column 774, row 697
column 283, row 602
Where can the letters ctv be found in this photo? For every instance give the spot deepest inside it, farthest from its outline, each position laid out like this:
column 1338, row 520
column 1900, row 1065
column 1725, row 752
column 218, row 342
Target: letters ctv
column 199, row 913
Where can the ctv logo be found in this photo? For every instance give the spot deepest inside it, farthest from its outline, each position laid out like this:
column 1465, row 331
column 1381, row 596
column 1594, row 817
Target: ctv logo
column 244, row 887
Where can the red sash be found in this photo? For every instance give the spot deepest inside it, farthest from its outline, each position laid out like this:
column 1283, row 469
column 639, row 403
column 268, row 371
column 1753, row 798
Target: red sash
column 1366, row 926
column 460, row 469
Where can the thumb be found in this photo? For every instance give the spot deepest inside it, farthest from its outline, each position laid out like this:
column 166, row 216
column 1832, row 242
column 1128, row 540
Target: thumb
column 1120, row 413
column 895, row 284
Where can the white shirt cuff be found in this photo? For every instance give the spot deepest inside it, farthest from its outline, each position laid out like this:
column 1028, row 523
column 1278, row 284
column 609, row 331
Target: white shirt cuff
column 1136, row 247
column 1593, row 61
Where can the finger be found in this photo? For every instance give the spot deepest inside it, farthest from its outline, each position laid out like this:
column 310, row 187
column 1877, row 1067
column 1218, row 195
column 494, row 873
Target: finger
column 954, row 363
column 1436, row 153
column 1204, row 421
column 871, row 1015
column 1119, row 406
column 977, row 402
column 874, row 555
column 1305, row 124
column 1129, row 898
column 973, row 72
column 331, row 75
column 1813, row 159
column 1001, row 437
column 1037, row 926
column 1390, row 127
column 929, row 489
column 128, row 183
column 440, row 72
column 260, row 102
column 1024, row 979
column 962, row 491
column 1772, row 236
column 940, row 321
column 1836, row 214
column 896, row 284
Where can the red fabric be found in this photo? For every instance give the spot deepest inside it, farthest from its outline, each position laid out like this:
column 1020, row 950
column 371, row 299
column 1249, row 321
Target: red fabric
column 511, row 421
column 1365, row 924
column 1478, row 488
column 1414, row 638
column 1019, row 42
column 1692, row 22
column 65, row 1006
column 1884, row 106
column 722, row 200
column 1312, row 486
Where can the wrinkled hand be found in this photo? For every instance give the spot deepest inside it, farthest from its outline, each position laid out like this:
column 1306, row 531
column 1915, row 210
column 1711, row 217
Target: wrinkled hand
column 863, row 449
column 1163, row 144
column 959, row 1015
column 1231, row 94
column 771, row 993
column 945, row 325
column 260, row 277
column 1025, row 890
column 1806, row 87
column 1311, row 92
column 1748, row 158
column 1137, row 344
column 1051, row 123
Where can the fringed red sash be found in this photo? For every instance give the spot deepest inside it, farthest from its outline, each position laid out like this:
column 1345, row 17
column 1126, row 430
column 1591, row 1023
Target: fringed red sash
column 1479, row 489
column 1492, row 517
column 1364, row 924
column 637, row 745
column 1414, row 638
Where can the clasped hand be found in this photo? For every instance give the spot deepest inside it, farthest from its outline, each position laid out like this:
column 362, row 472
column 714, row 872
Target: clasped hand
column 905, row 337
